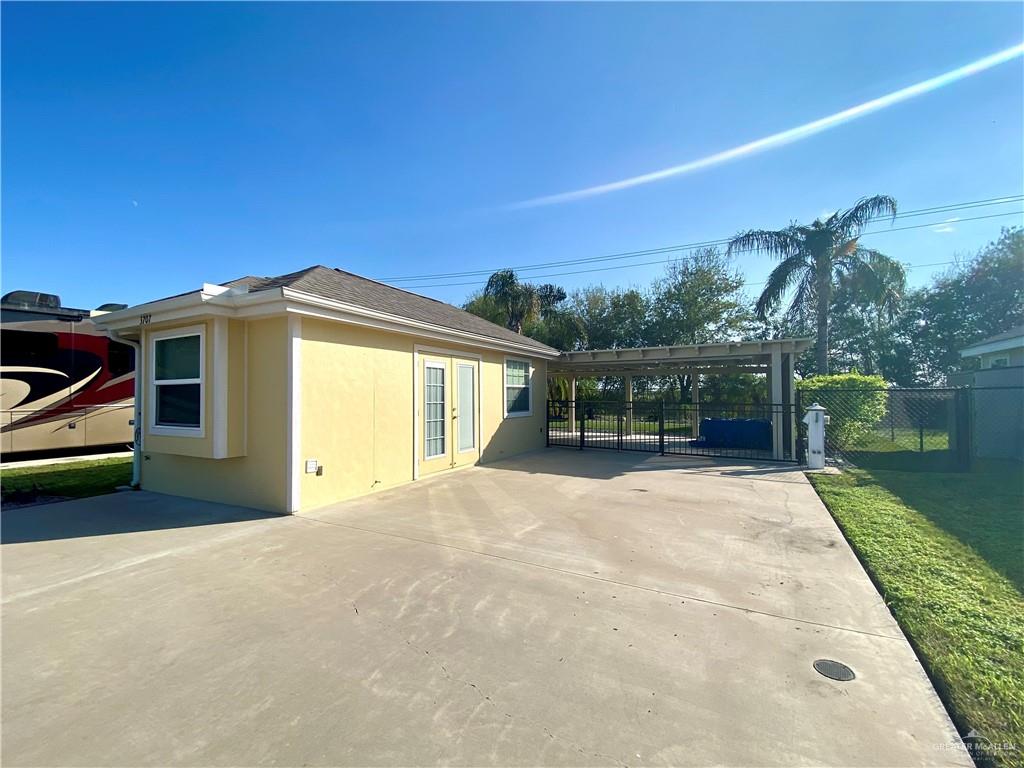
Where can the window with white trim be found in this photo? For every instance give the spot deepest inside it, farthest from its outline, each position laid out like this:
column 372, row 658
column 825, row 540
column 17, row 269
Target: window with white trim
column 517, row 387
column 178, row 381
column 1000, row 362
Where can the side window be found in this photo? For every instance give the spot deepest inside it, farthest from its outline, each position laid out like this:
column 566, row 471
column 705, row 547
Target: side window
column 1000, row 362
column 517, row 387
column 178, row 380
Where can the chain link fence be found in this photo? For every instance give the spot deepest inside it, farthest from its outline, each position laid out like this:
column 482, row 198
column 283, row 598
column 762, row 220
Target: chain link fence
column 920, row 429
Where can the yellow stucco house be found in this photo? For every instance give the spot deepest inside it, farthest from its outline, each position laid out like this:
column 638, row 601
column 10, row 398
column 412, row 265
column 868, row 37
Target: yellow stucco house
column 288, row 393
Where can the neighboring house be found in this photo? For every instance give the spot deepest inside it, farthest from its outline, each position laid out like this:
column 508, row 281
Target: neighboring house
column 997, row 394
column 1004, row 350
column 287, row 393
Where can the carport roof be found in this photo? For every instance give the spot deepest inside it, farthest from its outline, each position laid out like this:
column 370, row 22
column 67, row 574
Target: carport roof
column 755, row 355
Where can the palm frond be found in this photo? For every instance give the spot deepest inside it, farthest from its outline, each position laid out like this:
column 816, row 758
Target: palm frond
column 778, row 284
column 779, row 244
column 803, row 301
column 853, row 220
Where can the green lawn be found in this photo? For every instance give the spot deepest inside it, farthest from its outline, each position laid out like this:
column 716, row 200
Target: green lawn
column 947, row 552
column 75, row 480
column 882, row 438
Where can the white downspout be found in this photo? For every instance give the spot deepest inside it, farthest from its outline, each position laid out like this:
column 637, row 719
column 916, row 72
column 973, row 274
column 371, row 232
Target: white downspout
column 137, row 431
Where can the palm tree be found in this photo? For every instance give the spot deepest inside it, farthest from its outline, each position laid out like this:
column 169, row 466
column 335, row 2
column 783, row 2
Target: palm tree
column 520, row 301
column 517, row 300
column 815, row 257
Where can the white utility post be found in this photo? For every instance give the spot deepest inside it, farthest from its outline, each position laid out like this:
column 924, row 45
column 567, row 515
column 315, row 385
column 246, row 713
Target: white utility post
column 815, row 419
column 628, row 427
column 776, row 403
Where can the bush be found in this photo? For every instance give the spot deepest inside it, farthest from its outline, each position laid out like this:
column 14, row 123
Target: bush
column 854, row 402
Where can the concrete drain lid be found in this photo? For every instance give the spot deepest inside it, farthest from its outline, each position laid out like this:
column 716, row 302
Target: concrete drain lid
column 834, row 670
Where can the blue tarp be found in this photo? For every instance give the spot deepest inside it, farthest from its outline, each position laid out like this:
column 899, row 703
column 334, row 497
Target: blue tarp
column 750, row 434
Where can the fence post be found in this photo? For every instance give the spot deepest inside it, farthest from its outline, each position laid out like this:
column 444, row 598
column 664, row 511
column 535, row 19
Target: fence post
column 581, row 414
column 547, row 426
column 962, row 421
column 661, row 429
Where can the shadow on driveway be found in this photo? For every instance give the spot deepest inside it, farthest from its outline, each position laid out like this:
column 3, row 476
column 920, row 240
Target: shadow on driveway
column 115, row 513
column 597, row 464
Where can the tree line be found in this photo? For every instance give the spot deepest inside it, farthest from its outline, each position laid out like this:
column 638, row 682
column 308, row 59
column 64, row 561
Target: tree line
column 852, row 300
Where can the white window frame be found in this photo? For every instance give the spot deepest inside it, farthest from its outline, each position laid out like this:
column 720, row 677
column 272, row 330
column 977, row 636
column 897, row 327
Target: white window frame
column 165, row 429
column 445, row 416
column 1005, row 359
column 529, row 386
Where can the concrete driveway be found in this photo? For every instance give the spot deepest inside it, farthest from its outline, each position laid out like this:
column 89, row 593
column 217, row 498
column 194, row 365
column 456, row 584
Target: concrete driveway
column 562, row 608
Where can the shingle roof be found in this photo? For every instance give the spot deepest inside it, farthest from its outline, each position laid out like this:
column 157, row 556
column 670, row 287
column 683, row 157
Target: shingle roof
column 1013, row 333
column 352, row 289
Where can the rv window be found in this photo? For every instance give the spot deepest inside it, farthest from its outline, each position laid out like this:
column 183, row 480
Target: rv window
column 35, row 348
column 120, row 359
column 177, row 381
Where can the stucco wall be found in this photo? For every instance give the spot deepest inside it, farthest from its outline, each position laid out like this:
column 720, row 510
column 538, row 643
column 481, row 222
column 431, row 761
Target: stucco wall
column 259, row 478
column 358, row 408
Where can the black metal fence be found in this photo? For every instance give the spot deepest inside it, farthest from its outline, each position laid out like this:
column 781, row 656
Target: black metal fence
column 918, row 429
column 900, row 428
column 736, row 430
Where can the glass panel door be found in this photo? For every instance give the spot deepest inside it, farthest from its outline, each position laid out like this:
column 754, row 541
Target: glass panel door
column 434, row 421
column 466, row 408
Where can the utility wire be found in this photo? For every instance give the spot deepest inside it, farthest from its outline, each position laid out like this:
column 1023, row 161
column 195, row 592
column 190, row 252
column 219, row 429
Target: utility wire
column 949, row 208
column 747, row 250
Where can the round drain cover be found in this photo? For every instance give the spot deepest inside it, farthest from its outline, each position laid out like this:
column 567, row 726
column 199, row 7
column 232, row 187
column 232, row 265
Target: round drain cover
column 834, row 670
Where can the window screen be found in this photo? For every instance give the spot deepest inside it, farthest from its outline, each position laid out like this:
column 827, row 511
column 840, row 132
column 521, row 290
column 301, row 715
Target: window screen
column 517, row 386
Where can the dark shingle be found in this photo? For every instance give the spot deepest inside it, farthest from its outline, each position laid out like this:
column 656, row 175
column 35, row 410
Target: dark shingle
column 359, row 291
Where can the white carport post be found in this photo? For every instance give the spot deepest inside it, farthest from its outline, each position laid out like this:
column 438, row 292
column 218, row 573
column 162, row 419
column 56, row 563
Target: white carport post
column 791, row 389
column 776, row 402
column 628, row 427
column 572, row 402
column 695, row 402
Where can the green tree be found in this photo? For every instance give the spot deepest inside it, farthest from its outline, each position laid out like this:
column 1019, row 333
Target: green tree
column 612, row 318
column 865, row 330
column 814, row 258
column 517, row 300
column 977, row 298
column 699, row 300
column 486, row 307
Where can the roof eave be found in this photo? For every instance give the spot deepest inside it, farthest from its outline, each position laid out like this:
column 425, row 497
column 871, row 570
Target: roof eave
column 984, row 348
column 364, row 316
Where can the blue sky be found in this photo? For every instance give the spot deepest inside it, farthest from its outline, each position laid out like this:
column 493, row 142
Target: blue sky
column 148, row 148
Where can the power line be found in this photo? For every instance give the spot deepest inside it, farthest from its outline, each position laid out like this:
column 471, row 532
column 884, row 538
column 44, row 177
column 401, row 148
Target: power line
column 747, row 250
column 948, row 208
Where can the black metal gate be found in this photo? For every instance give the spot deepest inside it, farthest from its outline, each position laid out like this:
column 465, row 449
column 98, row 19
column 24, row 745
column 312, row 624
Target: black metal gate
column 737, row 430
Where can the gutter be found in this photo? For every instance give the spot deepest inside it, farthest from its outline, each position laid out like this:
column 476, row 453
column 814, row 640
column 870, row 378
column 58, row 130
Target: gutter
column 137, row 430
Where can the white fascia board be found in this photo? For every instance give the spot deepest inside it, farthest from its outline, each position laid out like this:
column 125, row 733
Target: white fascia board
column 286, row 300
column 993, row 346
column 350, row 313
column 193, row 305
